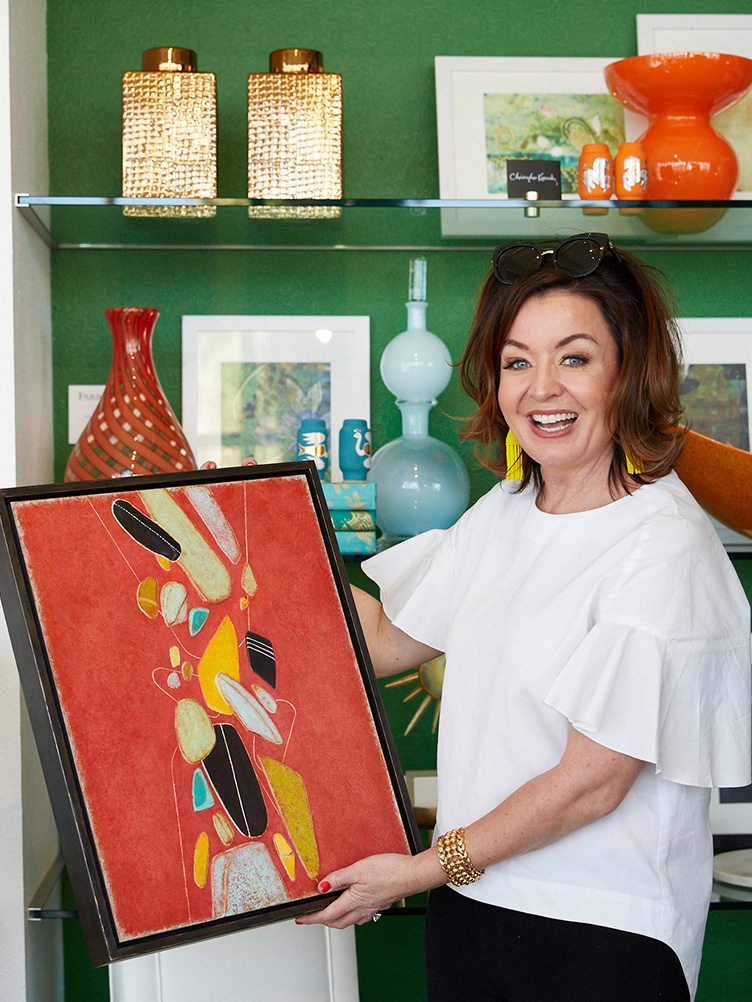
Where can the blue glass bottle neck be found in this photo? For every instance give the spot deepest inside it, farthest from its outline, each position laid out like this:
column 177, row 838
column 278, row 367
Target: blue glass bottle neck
column 415, row 417
column 416, row 314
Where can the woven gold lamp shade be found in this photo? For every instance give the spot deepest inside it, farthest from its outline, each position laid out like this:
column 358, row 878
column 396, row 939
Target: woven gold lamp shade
column 295, row 135
column 169, row 133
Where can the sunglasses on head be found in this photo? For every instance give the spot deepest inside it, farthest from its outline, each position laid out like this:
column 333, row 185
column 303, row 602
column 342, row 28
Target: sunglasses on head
column 576, row 256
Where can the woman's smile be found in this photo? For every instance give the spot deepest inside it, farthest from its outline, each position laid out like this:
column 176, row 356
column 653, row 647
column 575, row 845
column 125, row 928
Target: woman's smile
column 556, row 423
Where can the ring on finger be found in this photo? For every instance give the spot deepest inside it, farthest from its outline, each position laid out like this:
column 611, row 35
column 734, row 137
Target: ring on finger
column 376, row 916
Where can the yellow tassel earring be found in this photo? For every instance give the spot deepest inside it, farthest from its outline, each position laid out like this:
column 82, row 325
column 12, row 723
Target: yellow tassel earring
column 633, row 465
column 515, row 470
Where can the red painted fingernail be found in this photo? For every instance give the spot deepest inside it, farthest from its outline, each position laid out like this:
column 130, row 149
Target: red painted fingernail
column 298, row 922
column 325, row 886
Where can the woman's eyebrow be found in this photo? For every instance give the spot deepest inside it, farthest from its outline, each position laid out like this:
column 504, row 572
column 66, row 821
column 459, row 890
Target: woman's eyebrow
column 560, row 344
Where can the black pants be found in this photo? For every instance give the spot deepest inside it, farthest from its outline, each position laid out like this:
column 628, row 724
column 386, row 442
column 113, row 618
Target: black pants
column 480, row 952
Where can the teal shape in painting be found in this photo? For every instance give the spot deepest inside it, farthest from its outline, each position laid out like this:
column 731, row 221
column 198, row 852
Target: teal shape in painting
column 196, row 619
column 202, row 795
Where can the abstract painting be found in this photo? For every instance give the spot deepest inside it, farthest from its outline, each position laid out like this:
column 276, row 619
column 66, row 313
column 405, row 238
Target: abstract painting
column 716, row 404
column 203, row 703
column 547, row 126
column 263, row 405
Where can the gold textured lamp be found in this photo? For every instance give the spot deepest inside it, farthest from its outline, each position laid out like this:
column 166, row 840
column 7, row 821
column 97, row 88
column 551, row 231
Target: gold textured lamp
column 169, row 133
column 295, row 135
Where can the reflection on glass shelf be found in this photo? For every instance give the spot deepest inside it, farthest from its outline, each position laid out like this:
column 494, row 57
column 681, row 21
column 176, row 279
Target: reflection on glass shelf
column 87, row 222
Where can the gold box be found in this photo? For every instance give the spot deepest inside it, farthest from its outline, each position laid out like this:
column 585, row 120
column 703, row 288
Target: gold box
column 295, row 135
column 169, row 133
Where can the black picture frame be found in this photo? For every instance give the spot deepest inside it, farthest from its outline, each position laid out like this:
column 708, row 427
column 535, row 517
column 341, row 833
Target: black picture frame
column 24, row 610
column 731, row 808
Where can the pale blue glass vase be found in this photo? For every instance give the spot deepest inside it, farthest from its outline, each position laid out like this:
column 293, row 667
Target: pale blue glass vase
column 421, row 482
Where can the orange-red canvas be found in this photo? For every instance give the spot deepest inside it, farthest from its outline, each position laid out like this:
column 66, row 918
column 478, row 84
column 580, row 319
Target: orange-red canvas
column 222, row 742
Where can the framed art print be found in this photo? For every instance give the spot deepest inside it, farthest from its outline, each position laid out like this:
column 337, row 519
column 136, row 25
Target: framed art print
column 492, row 109
column 717, row 387
column 731, row 33
column 249, row 381
column 201, row 696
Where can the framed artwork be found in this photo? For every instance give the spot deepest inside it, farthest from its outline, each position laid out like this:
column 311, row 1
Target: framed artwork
column 201, row 696
column 730, row 33
column 490, row 110
column 717, row 387
column 249, row 381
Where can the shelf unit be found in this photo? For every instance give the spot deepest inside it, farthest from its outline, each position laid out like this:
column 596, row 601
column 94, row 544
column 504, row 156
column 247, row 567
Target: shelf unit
column 77, row 222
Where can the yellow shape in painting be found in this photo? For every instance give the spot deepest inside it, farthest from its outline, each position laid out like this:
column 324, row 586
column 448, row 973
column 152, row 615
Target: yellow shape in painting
column 200, row 562
column 244, row 602
column 187, row 670
column 290, row 791
column 196, row 736
column 248, row 581
column 147, row 597
column 163, row 562
column 175, row 656
column 285, row 853
column 201, row 859
column 223, row 828
column 221, row 655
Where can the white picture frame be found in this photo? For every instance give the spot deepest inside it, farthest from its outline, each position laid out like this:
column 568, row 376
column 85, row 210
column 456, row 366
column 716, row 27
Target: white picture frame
column 242, row 347
column 461, row 83
column 721, row 341
column 731, row 33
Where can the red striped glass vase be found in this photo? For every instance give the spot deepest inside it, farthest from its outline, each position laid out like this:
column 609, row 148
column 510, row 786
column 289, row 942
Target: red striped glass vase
column 133, row 430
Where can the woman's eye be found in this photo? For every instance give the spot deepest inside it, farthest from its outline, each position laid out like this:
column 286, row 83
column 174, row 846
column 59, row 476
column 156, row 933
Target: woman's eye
column 575, row 361
column 515, row 363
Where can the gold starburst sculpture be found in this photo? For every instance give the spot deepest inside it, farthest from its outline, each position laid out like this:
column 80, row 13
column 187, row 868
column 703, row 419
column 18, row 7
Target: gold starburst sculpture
column 430, row 679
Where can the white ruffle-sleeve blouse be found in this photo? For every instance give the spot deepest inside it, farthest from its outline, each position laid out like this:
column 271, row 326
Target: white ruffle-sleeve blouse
column 630, row 623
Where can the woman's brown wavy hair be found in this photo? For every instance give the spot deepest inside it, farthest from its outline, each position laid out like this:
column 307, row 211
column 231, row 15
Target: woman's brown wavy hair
column 644, row 407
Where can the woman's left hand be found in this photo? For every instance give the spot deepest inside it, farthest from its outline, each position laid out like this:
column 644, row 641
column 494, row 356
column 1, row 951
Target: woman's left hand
column 368, row 887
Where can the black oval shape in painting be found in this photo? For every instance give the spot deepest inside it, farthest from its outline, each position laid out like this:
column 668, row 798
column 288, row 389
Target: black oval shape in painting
column 145, row 531
column 261, row 657
column 231, row 772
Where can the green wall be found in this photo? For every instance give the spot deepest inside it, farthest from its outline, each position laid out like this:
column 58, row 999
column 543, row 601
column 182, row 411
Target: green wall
column 385, row 53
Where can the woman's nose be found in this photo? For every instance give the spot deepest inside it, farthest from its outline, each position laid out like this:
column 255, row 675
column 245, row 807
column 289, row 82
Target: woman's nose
column 544, row 382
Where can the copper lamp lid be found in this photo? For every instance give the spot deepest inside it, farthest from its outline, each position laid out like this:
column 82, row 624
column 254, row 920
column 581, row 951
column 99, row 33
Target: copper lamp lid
column 296, row 61
column 169, row 59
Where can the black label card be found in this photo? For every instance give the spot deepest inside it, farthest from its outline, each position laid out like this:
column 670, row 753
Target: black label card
column 543, row 176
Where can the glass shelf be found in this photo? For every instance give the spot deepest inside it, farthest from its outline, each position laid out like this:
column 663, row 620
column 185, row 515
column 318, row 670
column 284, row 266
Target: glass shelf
column 430, row 224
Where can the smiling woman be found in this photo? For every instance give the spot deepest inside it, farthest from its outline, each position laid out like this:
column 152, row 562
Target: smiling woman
column 558, row 367
column 613, row 314
column 597, row 680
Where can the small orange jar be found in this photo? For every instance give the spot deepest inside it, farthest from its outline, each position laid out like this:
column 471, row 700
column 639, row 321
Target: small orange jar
column 631, row 171
column 595, row 171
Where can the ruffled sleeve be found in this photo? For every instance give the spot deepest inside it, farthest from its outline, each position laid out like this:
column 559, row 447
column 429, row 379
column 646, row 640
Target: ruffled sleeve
column 415, row 578
column 681, row 704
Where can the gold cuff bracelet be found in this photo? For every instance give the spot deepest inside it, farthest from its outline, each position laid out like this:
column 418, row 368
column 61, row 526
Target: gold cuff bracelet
column 454, row 859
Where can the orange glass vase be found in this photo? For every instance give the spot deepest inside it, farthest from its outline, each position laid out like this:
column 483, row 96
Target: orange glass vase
column 679, row 92
column 133, row 430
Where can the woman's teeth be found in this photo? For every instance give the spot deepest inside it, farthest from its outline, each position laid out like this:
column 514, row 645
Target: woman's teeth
column 554, row 422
